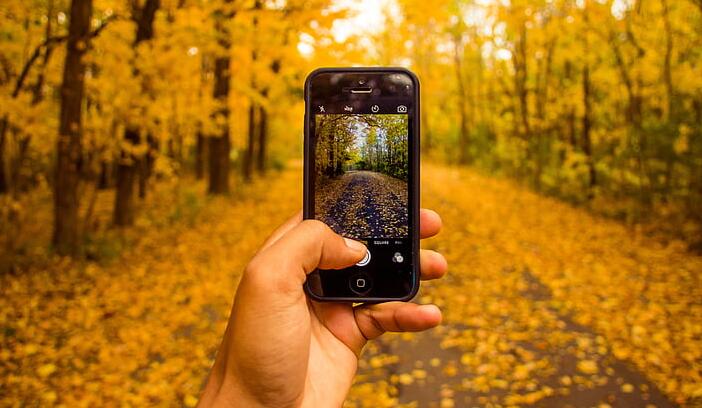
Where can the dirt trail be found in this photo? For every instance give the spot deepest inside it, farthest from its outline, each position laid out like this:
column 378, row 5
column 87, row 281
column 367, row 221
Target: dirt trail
column 544, row 305
column 365, row 204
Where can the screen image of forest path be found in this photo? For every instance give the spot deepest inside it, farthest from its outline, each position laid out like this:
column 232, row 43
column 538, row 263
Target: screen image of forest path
column 361, row 183
column 364, row 204
column 149, row 147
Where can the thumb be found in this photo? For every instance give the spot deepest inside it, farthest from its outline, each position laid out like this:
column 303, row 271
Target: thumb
column 309, row 245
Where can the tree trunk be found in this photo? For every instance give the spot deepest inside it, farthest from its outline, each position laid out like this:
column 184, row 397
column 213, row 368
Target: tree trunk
column 587, row 124
column 250, row 143
column 263, row 124
column 104, row 177
column 671, row 115
column 146, row 165
column 667, row 62
column 129, row 163
column 143, row 175
column 463, row 143
column 251, row 139
column 18, row 182
column 542, row 134
column 3, row 137
column 634, row 108
column 427, row 139
column 521, row 76
column 66, row 229
column 219, row 165
column 262, row 136
column 200, row 156
column 220, row 144
column 126, row 169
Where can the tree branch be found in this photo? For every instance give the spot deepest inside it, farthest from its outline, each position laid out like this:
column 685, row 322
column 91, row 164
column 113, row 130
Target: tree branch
column 47, row 44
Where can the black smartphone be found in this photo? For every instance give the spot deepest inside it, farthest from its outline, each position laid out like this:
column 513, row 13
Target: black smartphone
column 361, row 178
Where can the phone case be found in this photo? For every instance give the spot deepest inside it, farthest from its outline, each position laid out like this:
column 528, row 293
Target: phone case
column 414, row 218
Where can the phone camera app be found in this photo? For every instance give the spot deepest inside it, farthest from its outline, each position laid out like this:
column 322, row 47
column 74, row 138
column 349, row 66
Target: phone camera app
column 362, row 172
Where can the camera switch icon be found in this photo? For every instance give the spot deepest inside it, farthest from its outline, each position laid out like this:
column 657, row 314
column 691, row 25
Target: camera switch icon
column 375, row 108
column 402, row 109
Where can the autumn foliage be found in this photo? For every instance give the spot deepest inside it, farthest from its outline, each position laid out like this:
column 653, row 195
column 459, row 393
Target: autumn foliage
column 148, row 146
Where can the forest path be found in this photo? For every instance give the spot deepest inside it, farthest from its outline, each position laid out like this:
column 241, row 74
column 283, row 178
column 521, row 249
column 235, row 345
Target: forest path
column 544, row 304
column 365, row 204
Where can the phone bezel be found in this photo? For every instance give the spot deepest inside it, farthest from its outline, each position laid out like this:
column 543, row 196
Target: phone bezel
column 413, row 210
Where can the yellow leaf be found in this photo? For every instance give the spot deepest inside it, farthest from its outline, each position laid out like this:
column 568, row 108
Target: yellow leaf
column 49, row 396
column 587, row 366
column 46, row 370
column 190, row 401
column 30, row 349
column 419, row 374
column 447, row 403
column 406, row 379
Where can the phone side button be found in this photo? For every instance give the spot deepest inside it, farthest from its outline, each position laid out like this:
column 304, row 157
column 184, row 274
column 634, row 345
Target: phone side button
column 360, row 283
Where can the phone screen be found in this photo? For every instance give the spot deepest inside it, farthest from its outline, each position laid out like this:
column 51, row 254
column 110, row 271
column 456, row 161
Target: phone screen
column 361, row 182
column 362, row 179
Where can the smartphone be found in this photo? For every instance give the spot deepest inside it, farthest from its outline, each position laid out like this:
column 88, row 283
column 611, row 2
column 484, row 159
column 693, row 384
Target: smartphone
column 361, row 178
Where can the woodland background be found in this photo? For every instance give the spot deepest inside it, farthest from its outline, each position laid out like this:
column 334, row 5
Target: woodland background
column 139, row 140
column 596, row 102
column 362, row 142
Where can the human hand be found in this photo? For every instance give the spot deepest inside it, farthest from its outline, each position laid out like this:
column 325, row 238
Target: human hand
column 281, row 349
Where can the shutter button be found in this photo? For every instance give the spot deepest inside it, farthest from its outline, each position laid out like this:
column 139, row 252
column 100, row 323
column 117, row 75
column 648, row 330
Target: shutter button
column 365, row 260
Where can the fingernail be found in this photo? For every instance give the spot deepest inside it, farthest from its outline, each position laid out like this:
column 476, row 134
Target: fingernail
column 430, row 307
column 355, row 245
column 433, row 310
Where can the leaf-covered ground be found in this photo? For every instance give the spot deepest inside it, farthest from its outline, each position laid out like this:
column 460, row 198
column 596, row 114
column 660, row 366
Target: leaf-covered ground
column 364, row 204
column 544, row 304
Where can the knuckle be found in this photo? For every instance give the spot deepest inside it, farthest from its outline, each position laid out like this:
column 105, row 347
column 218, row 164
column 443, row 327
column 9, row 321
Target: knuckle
column 315, row 226
column 254, row 267
column 271, row 274
column 368, row 324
